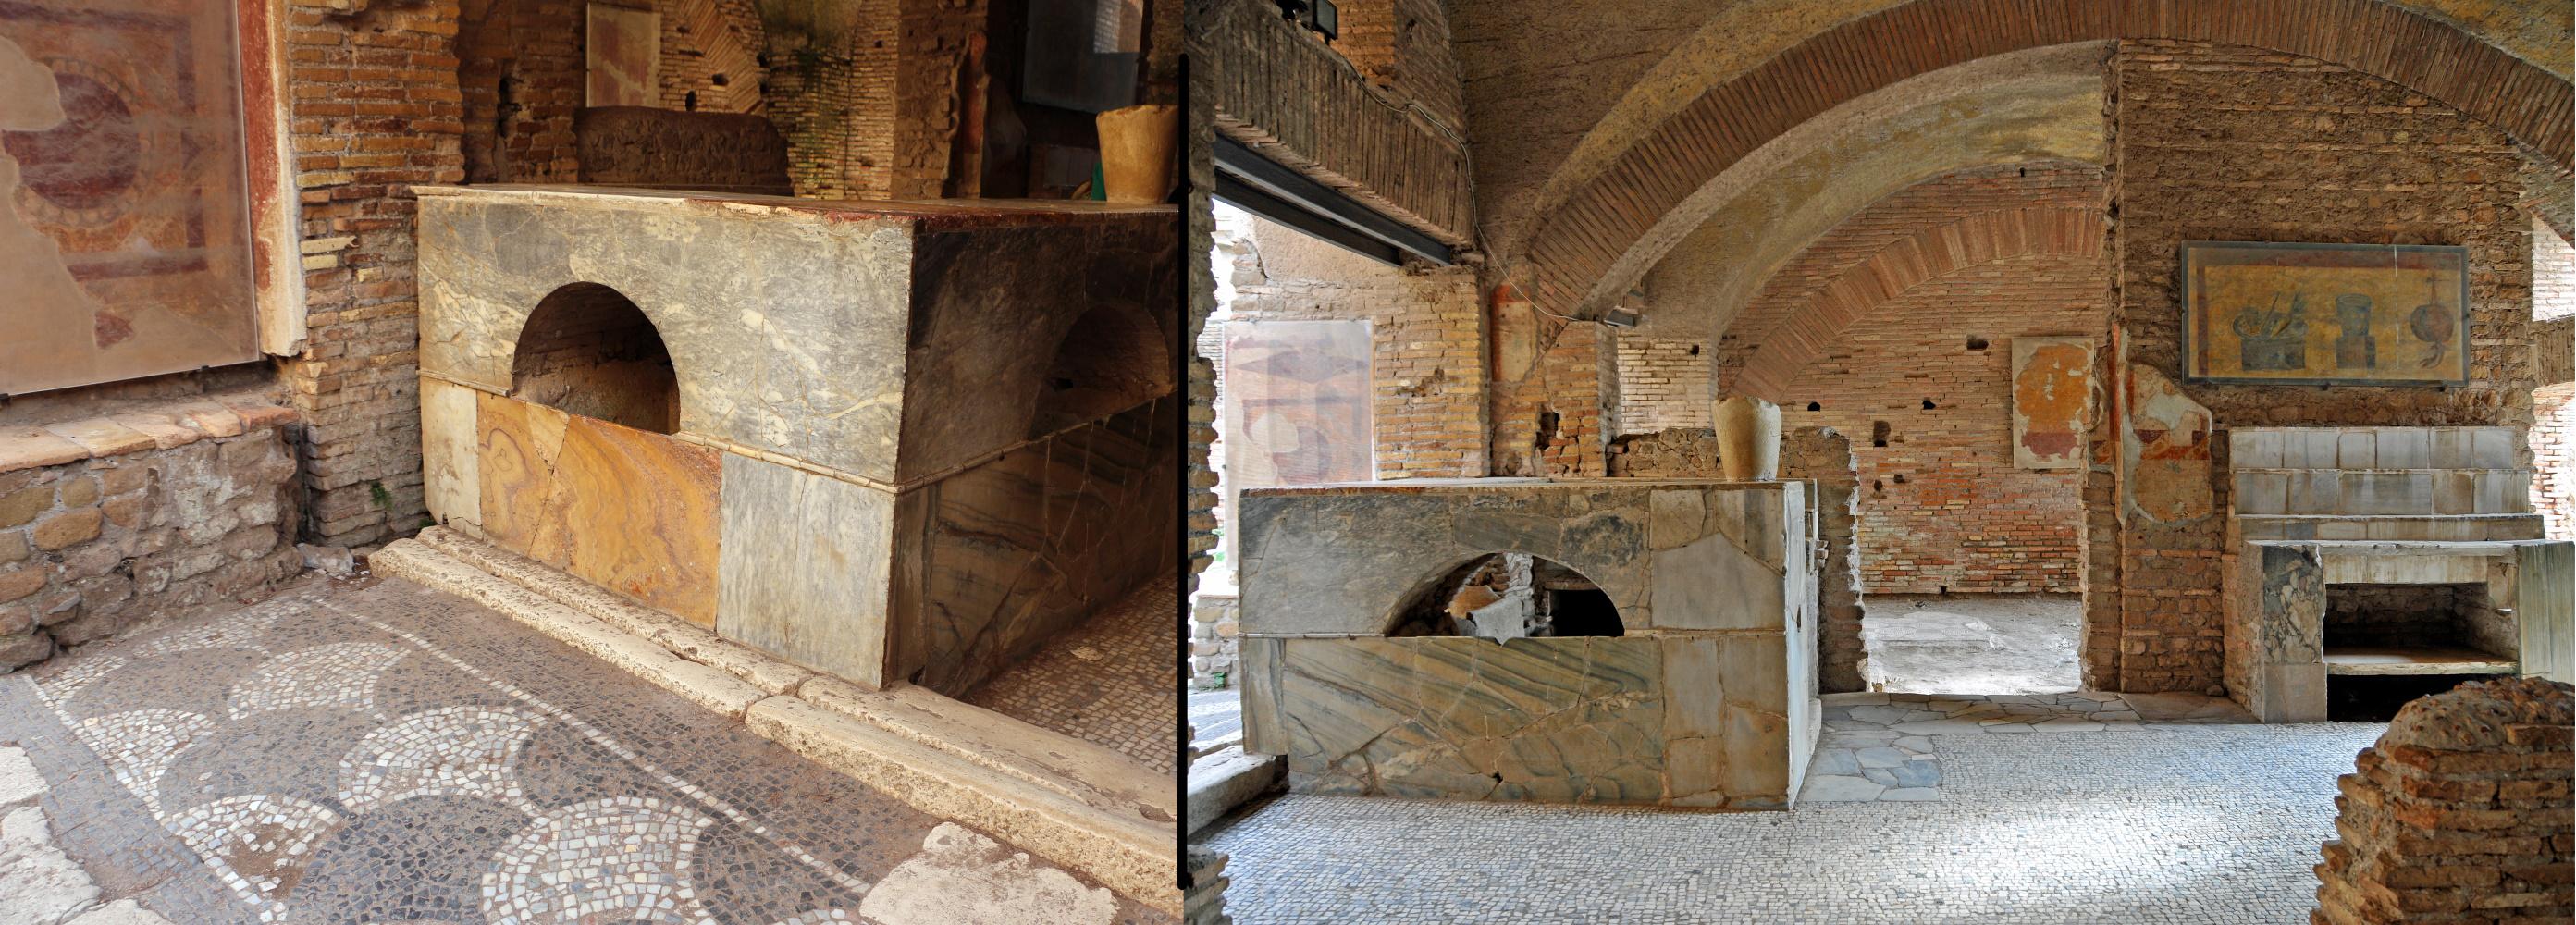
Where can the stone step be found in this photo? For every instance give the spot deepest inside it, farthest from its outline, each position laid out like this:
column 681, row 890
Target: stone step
column 2382, row 492
column 1079, row 805
column 2448, row 527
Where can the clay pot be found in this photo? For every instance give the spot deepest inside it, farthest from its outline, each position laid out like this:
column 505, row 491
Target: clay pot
column 1748, row 439
column 1136, row 152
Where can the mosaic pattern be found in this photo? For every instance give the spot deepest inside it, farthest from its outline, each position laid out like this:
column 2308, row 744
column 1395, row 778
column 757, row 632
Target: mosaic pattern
column 1109, row 681
column 2167, row 824
column 378, row 752
column 1880, row 746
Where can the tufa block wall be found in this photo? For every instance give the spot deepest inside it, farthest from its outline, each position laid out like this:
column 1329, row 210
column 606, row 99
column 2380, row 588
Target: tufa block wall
column 110, row 521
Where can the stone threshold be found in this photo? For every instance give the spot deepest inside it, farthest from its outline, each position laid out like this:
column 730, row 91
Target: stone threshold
column 140, row 426
column 1079, row 805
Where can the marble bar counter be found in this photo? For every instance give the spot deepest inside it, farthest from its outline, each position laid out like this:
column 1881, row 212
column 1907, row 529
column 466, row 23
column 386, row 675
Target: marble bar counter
column 883, row 456
column 1704, row 697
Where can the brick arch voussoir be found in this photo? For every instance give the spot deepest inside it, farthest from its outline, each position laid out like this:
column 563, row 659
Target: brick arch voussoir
column 1904, row 263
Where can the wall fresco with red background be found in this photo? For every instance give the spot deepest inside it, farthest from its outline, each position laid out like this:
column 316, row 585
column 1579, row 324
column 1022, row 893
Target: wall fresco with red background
column 124, row 249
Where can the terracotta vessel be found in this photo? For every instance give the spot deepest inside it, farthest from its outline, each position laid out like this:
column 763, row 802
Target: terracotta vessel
column 1136, row 152
column 1748, row 439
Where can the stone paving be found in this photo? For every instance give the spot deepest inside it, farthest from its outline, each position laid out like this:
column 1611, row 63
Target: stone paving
column 1879, row 746
column 2166, row 823
column 1216, row 718
column 1108, row 682
column 374, row 752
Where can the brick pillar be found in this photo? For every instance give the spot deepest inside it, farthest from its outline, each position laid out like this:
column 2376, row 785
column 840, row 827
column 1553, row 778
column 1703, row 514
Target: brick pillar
column 1825, row 456
column 2460, row 813
column 376, row 110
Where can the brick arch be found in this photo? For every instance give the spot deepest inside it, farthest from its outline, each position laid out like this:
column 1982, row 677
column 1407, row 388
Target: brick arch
column 1569, row 258
column 1901, row 265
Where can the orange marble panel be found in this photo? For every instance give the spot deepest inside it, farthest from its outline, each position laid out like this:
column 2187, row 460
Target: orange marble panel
column 628, row 510
column 518, row 445
column 637, row 513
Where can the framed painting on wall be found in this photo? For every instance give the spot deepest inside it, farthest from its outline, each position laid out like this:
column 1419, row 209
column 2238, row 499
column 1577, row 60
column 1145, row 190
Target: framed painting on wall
column 2052, row 401
column 124, row 231
column 2325, row 314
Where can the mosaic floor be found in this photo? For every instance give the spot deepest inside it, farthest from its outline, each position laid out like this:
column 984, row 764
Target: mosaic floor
column 2176, row 824
column 1879, row 746
column 1110, row 681
column 374, row 752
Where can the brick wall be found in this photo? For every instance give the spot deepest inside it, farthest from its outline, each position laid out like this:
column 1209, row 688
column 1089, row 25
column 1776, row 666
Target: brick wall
column 1198, row 240
column 932, row 38
column 161, row 508
column 376, row 109
column 704, row 41
column 832, row 94
column 1402, row 46
column 1427, row 366
column 1963, row 518
column 2458, row 813
column 2553, row 405
column 1278, row 88
column 521, row 77
column 2553, row 458
column 1663, row 384
column 1941, row 504
column 1555, row 421
column 2231, row 143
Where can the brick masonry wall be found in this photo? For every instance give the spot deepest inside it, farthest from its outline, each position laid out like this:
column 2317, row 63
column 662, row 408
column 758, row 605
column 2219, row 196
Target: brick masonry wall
column 1198, row 239
column 931, row 39
column 833, row 97
column 1684, row 452
column 1963, row 518
column 2217, row 142
column 376, row 109
column 1427, row 366
column 2553, row 458
column 704, row 41
column 1555, row 421
column 109, row 521
column 1663, row 384
column 1942, row 506
column 1403, row 46
column 1931, row 204
column 2553, row 405
column 2459, row 813
column 1824, row 456
column 1277, row 88
column 522, row 76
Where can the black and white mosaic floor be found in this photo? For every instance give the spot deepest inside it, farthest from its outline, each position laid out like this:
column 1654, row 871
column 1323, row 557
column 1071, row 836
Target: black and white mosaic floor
column 2166, row 824
column 374, row 752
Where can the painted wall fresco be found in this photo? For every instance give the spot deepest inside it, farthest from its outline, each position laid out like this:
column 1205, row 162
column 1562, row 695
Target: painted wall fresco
column 1297, row 403
column 2052, row 392
column 625, row 52
column 123, row 237
column 2325, row 313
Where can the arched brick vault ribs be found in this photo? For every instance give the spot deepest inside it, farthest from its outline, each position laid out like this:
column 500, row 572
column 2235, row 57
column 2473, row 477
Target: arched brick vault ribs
column 1901, row 265
column 1570, row 258
column 2020, row 108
